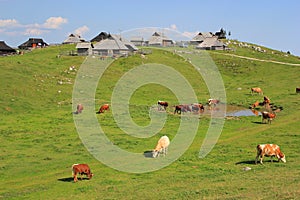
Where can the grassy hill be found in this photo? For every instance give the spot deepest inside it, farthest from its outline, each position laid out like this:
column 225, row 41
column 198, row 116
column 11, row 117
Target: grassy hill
column 39, row 141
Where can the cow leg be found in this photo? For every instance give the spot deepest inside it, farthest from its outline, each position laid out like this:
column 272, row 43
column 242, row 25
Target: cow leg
column 75, row 177
column 164, row 151
column 256, row 159
column 261, row 159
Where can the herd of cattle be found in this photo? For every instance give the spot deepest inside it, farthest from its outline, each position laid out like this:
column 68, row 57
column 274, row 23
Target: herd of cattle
column 269, row 113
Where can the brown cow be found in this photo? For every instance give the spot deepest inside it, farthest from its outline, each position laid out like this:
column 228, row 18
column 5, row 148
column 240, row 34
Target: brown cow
column 79, row 109
column 269, row 150
column 103, row 108
column 81, row 169
column 163, row 104
column 182, row 108
column 197, row 107
column 268, row 116
column 266, row 102
column 257, row 90
column 255, row 104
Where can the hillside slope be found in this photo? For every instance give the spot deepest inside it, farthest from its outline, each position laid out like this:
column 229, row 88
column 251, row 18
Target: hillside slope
column 39, row 140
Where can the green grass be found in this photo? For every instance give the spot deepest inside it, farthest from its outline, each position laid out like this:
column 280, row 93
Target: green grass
column 39, row 141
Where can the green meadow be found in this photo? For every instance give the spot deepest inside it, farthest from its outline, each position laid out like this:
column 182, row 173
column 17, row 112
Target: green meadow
column 39, row 140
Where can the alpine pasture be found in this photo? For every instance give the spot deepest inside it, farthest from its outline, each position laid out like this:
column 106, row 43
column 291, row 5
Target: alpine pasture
column 39, row 141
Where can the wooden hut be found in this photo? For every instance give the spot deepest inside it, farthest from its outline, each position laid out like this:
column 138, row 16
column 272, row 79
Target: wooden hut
column 5, row 49
column 33, row 43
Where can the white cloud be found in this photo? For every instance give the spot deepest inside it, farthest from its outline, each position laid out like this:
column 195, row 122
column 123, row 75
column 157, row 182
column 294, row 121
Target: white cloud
column 81, row 30
column 34, row 32
column 54, row 22
column 8, row 23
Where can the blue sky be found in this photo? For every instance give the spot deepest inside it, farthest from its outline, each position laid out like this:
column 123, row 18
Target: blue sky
column 271, row 23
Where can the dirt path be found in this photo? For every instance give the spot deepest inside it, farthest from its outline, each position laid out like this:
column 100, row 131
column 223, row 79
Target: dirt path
column 256, row 59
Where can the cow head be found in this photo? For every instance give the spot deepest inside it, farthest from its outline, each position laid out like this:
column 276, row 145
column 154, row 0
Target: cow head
column 90, row 175
column 281, row 157
column 155, row 153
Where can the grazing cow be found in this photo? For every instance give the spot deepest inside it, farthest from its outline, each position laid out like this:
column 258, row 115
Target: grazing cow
column 161, row 147
column 79, row 109
column 266, row 102
column 182, row 108
column 163, row 104
column 213, row 102
column 256, row 90
column 297, row 89
column 197, row 107
column 103, row 108
column 269, row 150
column 81, row 169
column 267, row 116
column 255, row 104
column 178, row 109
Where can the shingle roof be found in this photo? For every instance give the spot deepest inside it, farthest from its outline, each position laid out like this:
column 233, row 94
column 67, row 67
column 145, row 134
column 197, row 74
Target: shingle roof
column 73, row 38
column 31, row 41
column 210, row 42
column 100, row 36
column 202, row 35
column 157, row 38
column 5, row 47
column 111, row 43
column 84, row 45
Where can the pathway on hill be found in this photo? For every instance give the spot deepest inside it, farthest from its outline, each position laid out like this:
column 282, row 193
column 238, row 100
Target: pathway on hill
column 256, row 59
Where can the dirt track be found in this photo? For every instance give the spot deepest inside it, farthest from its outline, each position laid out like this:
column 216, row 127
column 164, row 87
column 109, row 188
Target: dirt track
column 261, row 60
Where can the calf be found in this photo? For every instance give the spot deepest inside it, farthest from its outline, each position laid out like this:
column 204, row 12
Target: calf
column 162, row 146
column 267, row 116
column 269, row 150
column 103, row 108
column 81, row 169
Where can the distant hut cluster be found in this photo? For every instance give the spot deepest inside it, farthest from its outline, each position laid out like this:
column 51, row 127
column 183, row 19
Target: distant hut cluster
column 110, row 45
column 31, row 43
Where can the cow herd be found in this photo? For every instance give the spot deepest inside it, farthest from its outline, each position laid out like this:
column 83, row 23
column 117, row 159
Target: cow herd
column 268, row 114
column 184, row 108
column 269, row 110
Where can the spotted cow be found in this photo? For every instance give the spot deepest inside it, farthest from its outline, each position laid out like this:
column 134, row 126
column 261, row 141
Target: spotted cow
column 269, row 150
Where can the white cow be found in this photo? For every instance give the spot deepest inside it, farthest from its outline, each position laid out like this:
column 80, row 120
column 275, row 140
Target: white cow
column 162, row 146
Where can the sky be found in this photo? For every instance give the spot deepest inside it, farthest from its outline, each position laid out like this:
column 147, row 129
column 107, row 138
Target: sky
column 270, row 23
